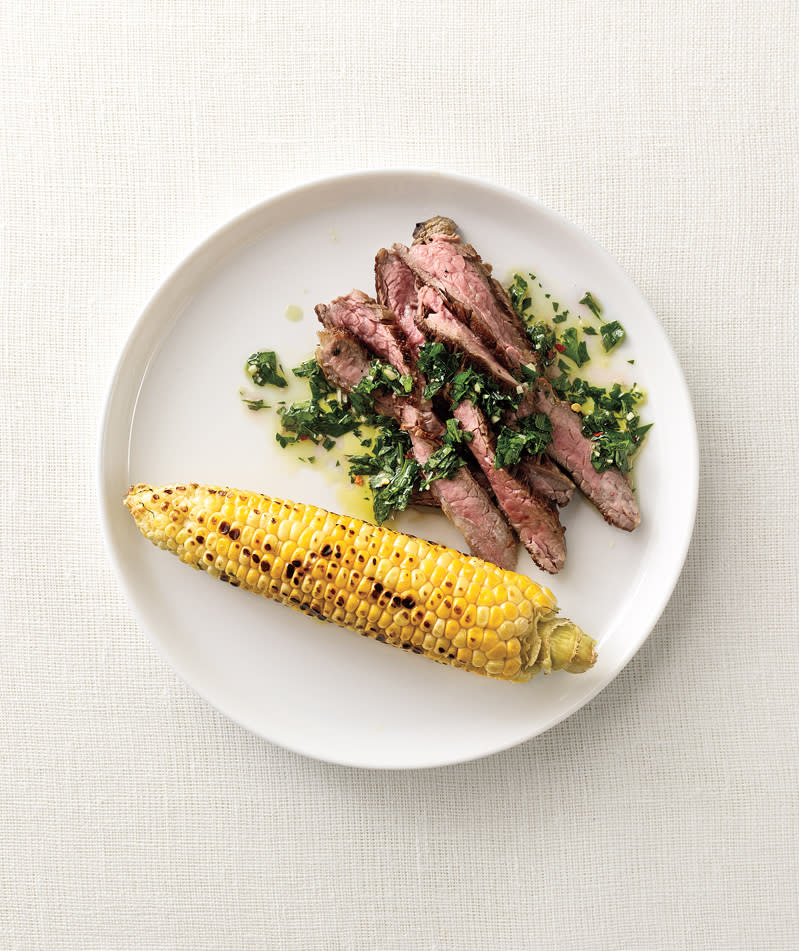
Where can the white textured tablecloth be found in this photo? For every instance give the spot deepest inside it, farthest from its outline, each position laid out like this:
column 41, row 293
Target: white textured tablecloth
column 664, row 814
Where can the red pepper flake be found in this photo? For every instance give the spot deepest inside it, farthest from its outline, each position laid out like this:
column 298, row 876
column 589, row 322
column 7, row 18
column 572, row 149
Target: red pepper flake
column 561, row 348
column 599, row 433
column 550, row 354
column 303, row 438
column 358, row 480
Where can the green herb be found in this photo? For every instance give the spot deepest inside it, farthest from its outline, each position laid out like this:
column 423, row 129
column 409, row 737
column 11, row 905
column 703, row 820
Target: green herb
column 447, row 459
column 455, row 436
column 529, row 373
column 591, row 331
column 315, row 420
column 612, row 334
column 518, row 294
column 438, row 366
column 263, row 368
column 559, row 318
column 255, row 405
column 318, row 383
column 592, row 304
column 485, row 393
column 441, row 464
column 631, row 362
column 574, row 348
column 392, row 475
column 542, row 340
column 616, row 447
column 380, row 375
column 533, row 435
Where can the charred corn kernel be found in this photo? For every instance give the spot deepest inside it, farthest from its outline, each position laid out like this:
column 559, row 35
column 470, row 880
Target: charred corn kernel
column 402, row 590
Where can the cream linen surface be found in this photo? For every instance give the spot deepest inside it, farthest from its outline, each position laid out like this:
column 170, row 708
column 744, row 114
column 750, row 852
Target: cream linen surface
column 664, row 814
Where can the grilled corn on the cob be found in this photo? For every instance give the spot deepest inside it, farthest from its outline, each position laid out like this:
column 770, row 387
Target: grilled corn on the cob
column 392, row 587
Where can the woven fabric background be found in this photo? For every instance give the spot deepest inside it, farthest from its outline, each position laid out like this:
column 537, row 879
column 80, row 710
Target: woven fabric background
column 665, row 813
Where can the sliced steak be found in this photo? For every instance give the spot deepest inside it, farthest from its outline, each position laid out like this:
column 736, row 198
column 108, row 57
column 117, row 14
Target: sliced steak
column 470, row 509
column 396, row 290
column 458, row 272
column 438, row 322
column 344, row 361
column 609, row 491
column 372, row 324
column 535, row 520
column 546, row 479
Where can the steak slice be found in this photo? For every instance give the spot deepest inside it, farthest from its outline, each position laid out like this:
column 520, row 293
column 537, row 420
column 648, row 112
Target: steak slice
column 344, row 361
column 470, row 509
column 396, row 290
column 609, row 491
column 372, row 324
column 439, row 323
column 456, row 270
column 535, row 521
column 546, row 479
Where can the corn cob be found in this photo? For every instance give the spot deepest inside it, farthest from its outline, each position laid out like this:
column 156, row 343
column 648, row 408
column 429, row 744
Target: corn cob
column 395, row 588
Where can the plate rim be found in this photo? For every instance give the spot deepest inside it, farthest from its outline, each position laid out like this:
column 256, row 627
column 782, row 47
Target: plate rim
column 168, row 278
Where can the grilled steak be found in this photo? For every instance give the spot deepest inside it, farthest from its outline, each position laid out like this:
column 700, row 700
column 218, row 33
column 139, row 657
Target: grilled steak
column 458, row 273
column 372, row 324
column 546, row 479
column 466, row 504
column 609, row 491
column 396, row 290
column 535, row 521
column 438, row 322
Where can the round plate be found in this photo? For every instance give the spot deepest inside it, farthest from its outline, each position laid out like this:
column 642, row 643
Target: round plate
column 174, row 413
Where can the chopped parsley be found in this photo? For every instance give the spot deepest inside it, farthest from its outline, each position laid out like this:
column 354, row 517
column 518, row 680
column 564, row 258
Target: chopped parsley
column 612, row 334
column 542, row 339
column 318, row 421
column 486, row 394
column 532, row 435
column 380, row 376
column 518, row 293
column 592, row 304
column 438, row 366
column 611, row 423
column 318, row 383
column 264, row 369
column 573, row 347
column 255, row 405
column 447, row 459
column 617, row 447
column 393, row 475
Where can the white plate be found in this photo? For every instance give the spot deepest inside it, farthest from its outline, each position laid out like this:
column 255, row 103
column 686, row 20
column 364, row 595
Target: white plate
column 174, row 414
